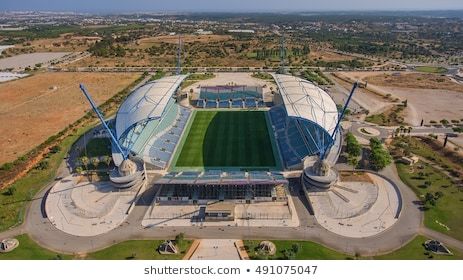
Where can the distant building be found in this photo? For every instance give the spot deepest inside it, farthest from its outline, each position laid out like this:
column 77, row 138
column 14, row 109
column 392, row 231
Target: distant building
column 203, row 32
column 250, row 31
column 460, row 73
column 2, row 48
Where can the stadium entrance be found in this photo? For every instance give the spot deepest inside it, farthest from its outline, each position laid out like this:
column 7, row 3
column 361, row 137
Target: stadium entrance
column 237, row 187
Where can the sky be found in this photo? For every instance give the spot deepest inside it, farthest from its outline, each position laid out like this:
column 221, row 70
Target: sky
column 225, row 5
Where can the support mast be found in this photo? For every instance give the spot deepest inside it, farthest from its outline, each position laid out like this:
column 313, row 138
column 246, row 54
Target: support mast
column 103, row 122
column 340, row 117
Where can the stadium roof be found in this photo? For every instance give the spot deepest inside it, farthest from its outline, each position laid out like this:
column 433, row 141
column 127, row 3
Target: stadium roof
column 220, row 177
column 305, row 100
column 147, row 102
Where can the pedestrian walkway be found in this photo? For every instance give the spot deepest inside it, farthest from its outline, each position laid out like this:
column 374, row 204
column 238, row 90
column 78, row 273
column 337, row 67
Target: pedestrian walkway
column 216, row 249
column 447, row 240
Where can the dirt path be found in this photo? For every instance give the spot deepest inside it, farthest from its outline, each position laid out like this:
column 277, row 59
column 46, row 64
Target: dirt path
column 371, row 102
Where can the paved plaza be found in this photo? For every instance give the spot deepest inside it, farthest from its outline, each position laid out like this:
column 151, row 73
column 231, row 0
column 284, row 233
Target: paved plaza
column 358, row 209
column 83, row 208
column 216, row 249
column 277, row 214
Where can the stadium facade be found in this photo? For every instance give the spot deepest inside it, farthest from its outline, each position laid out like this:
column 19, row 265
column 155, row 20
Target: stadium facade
column 151, row 123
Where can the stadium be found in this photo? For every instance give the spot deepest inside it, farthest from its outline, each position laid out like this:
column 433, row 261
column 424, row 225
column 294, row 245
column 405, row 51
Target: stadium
column 226, row 139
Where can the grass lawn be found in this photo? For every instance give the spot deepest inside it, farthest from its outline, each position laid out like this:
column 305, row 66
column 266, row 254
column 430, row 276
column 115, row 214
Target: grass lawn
column 12, row 207
column 146, row 250
column 29, row 250
column 97, row 147
column 263, row 76
column 394, row 116
column 313, row 251
column 134, row 249
column 448, row 209
column 418, row 147
column 415, row 251
column 227, row 139
column 431, row 69
column 138, row 249
column 308, row 250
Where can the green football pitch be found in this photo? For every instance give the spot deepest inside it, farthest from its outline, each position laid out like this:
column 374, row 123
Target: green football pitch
column 227, row 139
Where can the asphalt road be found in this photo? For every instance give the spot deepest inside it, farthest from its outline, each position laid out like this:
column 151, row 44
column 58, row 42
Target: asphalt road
column 44, row 233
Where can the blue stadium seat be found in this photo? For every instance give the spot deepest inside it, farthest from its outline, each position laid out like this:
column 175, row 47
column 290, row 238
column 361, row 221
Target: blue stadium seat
column 166, row 135
column 292, row 146
column 237, row 103
column 224, row 103
column 211, row 104
column 224, row 93
column 250, row 103
column 200, row 103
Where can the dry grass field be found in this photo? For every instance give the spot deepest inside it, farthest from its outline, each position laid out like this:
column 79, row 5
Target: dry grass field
column 430, row 97
column 372, row 102
column 329, row 56
column 429, row 104
column 415, row 80
column 127, row 61
column 34, row 108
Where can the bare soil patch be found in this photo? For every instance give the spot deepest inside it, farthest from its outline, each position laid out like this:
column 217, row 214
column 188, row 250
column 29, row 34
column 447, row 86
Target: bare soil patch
column 429, row 104
column 430, row 97
column 373, row 102
column 329, row 56
column 407, row 80
column 355, row 177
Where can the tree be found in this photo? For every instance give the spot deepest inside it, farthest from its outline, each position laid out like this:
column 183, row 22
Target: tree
column 95, row 161
column 11, row 191
column 107, row 160
column 353, row 147
column 402, row 129
column 296, row 247
column 55, row 149
column 444, row 122
column 427, row 184
column 79, row 170
column 429, row 199
column 179, row 239
column 379, row 156
column 289, row 254
column 84, row 161
column 438, row 194
column 42, row 165
column 353, row 160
